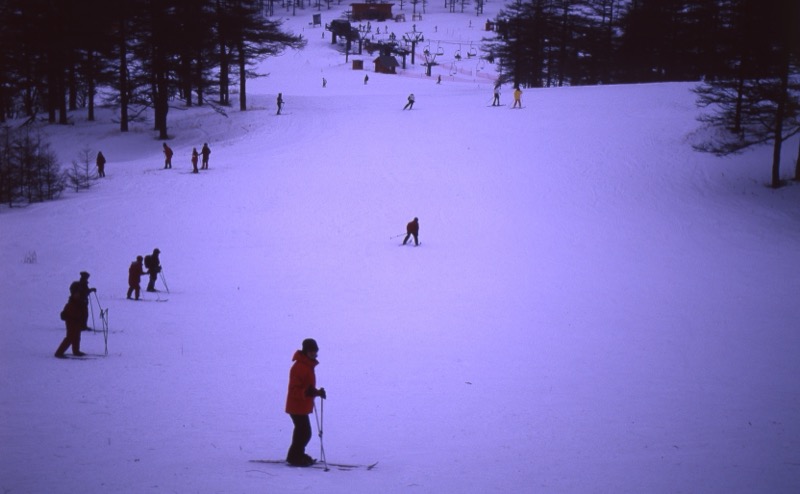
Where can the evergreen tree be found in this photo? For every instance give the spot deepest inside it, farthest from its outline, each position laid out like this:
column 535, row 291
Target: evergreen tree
column 756, row 101
column 519, row 47
column 254, row 38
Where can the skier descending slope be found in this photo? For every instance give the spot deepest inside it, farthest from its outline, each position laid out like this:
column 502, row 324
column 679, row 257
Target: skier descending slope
column 412, row 228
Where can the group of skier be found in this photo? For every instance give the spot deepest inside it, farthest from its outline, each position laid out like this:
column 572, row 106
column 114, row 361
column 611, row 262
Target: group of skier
column 302, row 387
column 517, row 96
column 152, row 264
column 205, row 152
column 76, row 311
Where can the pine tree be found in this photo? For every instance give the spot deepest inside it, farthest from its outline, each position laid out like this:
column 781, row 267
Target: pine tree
column 757, row 101
column 519, row 47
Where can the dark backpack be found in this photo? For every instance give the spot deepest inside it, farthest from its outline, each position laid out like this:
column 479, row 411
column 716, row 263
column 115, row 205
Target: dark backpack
column 148, row 261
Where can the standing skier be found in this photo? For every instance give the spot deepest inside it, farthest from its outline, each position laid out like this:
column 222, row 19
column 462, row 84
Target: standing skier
column 410, row 104
column 73, row 315
column 300, row 401
column 101, row 164
column 194, row 160
column 153, row 265
column 412, row 228
column 517, row 97
column 496, row 100
column 167, row 156
column 84, row 291
column 135, row 273
column 206, row 152
column 280, row 103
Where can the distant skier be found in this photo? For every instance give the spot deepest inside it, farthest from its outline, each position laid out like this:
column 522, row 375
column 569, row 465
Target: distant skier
column 73, row 315
column 135, row 273
column 517, row 97
column 366, row 79
column 153, row 265
column 412, row 228
column 167, row 156
column 300, row 401
column 206, row 152
column 439, row 79
column 195, row 157
column 324, row 82
column 280, row 103
column 410, row 104
column 101, row 164
column 496, row 100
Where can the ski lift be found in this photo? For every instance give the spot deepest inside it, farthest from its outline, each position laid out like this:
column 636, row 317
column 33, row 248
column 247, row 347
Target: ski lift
column 473, row 52
column 458, row 55
column 453, row 69
column 439, row 49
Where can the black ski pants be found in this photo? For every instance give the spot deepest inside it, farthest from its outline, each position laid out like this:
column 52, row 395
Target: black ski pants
column 408, row 235
column 73, row 339
column 300, row 438
column 151, row 285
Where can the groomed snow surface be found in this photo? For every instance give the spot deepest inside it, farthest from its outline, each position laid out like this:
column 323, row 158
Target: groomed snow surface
column 595, row 307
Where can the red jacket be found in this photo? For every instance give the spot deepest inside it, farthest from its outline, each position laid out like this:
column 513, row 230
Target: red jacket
column 413, row 227
column 135, row 272
column 301, row 379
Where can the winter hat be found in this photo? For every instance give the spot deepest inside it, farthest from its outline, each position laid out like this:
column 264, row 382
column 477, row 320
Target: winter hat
column 310, row 345
column 84, row 274
column 139, row 258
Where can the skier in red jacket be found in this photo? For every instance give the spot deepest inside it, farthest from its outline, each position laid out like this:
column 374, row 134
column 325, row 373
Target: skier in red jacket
column 135, row 273
column 412, row 228
column 300, row 401
column 167, row 156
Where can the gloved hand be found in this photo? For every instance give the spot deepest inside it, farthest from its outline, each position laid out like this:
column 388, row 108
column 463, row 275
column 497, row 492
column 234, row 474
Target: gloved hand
column 92, row 290
column 321, row 393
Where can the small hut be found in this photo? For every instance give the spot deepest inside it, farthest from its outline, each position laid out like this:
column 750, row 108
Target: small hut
column 371, row 11
column 386, row 64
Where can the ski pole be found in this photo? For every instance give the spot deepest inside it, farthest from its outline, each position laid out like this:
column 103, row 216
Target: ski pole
column 104, row 319
column 97, row 299
column 91, row 309
column 395, row 236
column 319, row 419
column 164, row 279
column 105, row 332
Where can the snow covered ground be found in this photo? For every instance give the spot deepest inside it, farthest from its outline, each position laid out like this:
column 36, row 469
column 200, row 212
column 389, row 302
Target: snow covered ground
column 594, row 307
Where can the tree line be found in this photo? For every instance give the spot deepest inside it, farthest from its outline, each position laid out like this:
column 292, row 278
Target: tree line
column 744, row 53
column 143, row 53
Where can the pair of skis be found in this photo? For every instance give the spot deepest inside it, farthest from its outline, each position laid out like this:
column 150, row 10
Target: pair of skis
column 345, row 467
